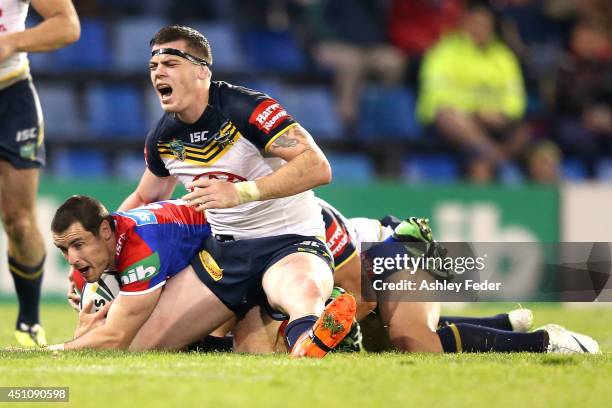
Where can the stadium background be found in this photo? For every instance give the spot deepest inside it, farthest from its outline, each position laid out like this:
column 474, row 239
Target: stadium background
column 98, row 105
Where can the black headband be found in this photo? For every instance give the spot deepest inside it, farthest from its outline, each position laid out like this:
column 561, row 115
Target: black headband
column 182, row 54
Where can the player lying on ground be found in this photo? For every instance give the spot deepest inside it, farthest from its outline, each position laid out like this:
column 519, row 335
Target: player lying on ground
column 153, row 248
column 418, row 326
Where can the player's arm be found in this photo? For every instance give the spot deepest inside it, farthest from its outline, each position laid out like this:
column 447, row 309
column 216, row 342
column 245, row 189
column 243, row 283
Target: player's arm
column 125, row 317
column 306, row 168
column 60, row 27
column 151, row 188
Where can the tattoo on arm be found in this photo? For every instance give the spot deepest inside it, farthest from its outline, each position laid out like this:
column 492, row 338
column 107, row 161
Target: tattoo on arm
column 284, row 141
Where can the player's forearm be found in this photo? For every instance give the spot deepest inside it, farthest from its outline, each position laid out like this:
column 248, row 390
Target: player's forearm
column 100, row 338
column 54, row 32
column 132, row 201
column 307, row 170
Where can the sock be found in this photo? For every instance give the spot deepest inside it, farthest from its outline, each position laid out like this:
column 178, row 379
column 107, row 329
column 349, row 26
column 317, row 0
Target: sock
column 390, row 221
column 28, row 281
column 298, row 327
column 469, row 338
column 500, row 321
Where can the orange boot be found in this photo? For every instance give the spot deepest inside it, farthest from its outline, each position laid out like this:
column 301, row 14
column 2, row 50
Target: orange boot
column 333, row 325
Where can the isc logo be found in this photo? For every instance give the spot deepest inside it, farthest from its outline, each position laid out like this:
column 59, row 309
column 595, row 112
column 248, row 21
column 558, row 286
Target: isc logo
column 198, row 136
column 26, row 134
column 140, row 273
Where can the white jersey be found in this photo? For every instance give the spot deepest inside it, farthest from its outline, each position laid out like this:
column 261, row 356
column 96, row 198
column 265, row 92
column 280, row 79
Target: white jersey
column 229, row 142
column 13, row 15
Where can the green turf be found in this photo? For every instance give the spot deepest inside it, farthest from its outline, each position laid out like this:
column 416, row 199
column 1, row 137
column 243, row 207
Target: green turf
column 113, row 379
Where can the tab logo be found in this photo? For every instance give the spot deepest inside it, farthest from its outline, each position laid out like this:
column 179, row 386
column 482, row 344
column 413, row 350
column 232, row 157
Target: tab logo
column 142, row 271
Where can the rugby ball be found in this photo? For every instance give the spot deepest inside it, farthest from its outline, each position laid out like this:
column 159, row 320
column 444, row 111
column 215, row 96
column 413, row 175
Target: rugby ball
column 100, row 292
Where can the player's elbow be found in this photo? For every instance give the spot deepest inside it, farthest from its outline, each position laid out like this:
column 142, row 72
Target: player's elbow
column 323, row 171
column 71, row 30
column 74, row 31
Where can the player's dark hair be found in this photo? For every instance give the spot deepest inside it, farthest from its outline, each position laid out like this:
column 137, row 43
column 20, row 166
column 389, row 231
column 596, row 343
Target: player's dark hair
column 196, row 42
column 79, row 208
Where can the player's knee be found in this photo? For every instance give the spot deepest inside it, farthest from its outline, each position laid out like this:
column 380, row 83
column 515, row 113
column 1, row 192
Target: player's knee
column 19, row 227
column 367, row 307
column 308, row 288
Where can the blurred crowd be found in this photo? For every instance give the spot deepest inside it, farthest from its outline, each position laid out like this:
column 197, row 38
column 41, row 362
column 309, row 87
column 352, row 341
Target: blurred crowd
column 503, row 87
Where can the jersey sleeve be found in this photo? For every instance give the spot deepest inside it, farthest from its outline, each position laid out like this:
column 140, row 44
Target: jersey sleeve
column 263, row 119
column 337, row 238
column 153, row 160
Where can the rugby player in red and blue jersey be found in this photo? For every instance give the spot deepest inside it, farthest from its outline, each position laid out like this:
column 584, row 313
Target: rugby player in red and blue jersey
column 152, row 247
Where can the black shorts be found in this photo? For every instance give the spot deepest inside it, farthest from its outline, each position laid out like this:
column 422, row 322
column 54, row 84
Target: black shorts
column 21, row 126
column 233, row 270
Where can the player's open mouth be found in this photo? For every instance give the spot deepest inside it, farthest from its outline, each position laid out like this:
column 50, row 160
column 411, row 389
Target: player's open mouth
column 165, row 91
column 84, row 271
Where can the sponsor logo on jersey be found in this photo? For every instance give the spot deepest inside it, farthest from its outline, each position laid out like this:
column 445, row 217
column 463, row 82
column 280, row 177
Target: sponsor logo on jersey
column 178, row 149
column 140, row 216
column 199, row 137
column 268, row 115
column 220, row 175
column 141, row 271
column 27, row 134
column 120, row 242
column 211, row 266
column 337, row 238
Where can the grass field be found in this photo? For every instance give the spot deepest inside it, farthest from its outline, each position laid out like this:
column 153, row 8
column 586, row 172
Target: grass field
column 114, row 379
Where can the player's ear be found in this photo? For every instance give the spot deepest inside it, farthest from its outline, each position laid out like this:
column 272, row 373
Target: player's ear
column 105, row 230
column 204, row 72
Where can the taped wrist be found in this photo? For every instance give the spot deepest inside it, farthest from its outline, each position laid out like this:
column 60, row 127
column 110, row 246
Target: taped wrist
column 247, row 191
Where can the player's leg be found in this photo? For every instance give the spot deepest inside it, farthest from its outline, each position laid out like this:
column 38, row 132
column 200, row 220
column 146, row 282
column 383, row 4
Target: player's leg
column 298, row 285
column 257, row 333
column 21, row 155
column 518, row 320
column 348, row 277
column 26, row 253
column 186, row 311
column 412, row 325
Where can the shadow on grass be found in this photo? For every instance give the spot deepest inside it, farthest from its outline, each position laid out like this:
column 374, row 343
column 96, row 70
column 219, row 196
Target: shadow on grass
column 558, row 361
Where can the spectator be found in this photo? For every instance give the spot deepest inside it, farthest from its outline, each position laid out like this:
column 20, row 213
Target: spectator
column 415, row 25
column 537, row 31
column 472, row 93
column 584, row 92
column 348, row 37
column 543, row 163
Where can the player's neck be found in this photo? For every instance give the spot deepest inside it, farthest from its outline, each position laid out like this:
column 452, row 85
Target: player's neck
column 196, row 109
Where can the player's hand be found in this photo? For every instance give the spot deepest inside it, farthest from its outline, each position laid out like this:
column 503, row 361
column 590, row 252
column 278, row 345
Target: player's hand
column 89, row 321
column 208, row 194
column 74, row 299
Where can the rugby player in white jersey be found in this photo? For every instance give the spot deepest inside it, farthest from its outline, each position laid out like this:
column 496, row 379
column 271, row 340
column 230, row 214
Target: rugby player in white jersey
column 251, row 167
column 22, row 151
